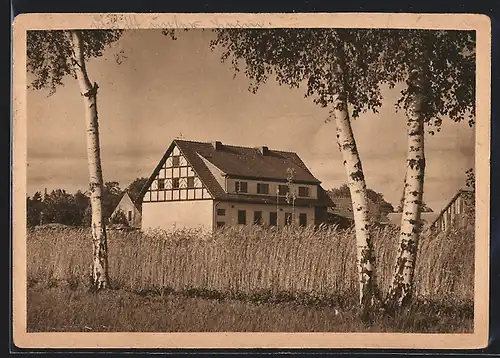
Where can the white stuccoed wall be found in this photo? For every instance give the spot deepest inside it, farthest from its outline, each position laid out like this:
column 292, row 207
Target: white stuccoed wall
column 183, row 214
column 231, row 217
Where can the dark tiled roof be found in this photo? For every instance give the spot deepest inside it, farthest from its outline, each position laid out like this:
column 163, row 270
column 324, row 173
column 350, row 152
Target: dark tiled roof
column 248, row 162
column 342, row 206
column 245, row 163
column 189, row 150
column 324, row 197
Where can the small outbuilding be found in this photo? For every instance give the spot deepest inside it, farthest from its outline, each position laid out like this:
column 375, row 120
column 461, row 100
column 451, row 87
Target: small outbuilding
column 127, row 210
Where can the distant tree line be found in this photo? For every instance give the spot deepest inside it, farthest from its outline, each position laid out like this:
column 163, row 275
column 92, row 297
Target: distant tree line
column 384, row 207
column 377, row 198
column 59, row 206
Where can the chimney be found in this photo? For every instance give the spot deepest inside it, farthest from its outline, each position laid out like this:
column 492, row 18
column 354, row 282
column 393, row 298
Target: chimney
column 263, row 150
column 217, row 145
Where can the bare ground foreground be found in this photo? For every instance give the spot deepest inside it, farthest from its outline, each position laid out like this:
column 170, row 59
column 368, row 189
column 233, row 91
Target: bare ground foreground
column 239, row 281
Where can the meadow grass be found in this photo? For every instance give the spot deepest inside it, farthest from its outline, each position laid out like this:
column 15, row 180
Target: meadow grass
column 314, row 268
column 64, row 309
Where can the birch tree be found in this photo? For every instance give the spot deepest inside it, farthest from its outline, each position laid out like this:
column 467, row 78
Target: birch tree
column 338, row 68
column 439, row 70
column 51, row 55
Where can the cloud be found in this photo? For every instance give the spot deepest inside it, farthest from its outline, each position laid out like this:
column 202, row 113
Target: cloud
column 165, row 88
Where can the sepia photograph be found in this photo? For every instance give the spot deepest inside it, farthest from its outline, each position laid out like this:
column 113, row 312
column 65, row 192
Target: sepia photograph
column 265, row 175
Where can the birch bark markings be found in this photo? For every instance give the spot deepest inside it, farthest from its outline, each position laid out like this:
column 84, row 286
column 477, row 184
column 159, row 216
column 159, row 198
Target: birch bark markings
column 401, row 287
column 357, row 187
column 100, row 278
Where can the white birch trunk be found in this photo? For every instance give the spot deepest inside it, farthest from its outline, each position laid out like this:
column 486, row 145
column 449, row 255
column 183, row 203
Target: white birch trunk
column 357, row 187
column 100, row 278
column 402, row 281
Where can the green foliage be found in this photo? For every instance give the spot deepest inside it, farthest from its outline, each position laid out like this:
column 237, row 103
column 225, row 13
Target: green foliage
column 447, row 60
column 309, row 57
column 49, row 53
column 370, row 57
column 82, row 202
column 377, row 198
column 58, row 207
column 291, row 195
column 110, row 198
column 119, row 218
column 34, row 207
column 75, row 210
column 134, row 189
column 470, row 181
column 470, row 197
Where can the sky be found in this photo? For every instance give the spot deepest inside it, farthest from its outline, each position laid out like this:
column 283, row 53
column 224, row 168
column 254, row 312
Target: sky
column 163, row 89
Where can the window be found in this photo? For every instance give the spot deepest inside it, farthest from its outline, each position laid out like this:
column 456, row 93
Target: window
column 161, row 184
column 288, row 218
column 303, row 219
column 175, row 161
column 262, row 188
column 257, row 217
column 303, row 191
column 273, row 218
column 220, row 223
column 221, row 212
column 190, row 182
column 175, row 183
column 130, row 215
column 282, row 190
column 242, row 217
column 241, row 187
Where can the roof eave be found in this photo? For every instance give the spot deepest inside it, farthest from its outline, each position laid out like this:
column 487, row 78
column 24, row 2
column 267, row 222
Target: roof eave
column 249, row 177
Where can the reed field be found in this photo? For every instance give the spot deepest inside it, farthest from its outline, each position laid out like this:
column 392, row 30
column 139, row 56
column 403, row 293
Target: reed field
column 300, row 277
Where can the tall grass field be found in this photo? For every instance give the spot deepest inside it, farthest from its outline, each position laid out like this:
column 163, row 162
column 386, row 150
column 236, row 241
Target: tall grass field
column 248, row 279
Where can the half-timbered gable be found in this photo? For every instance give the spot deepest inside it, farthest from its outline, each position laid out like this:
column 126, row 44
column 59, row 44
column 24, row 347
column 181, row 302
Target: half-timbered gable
column 198, row 184
column 176, row 180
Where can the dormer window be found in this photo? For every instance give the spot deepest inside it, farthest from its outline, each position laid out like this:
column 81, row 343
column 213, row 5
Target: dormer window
column 304, row 191
column 262, row 188
column 241, row 187
column 283, row 189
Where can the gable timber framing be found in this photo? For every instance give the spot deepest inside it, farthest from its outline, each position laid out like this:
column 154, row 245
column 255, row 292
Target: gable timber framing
column 216, row 180
column 168, row 193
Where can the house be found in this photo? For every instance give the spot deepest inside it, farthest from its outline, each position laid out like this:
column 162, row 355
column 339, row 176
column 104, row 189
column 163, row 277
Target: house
column 129, row 210
column 458, row 213
column 341, row 213
column 209, row 185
